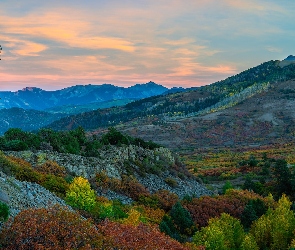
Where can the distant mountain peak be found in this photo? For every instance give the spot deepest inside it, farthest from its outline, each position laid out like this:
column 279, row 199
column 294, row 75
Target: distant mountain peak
column 287, row 61
column 36, row 98
column 290, row 58
column 151, row 82
column 31, row 89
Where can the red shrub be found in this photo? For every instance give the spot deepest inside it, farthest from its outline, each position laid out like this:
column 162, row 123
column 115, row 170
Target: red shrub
column 233, row 203
column 137, row 237
column 54, row 228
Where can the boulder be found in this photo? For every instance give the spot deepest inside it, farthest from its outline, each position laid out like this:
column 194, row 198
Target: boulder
column 4, row 197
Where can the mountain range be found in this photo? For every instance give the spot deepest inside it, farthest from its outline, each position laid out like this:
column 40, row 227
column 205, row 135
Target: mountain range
column 252, row 107
column 224, row 113
column 32, row 108
column 39, row 99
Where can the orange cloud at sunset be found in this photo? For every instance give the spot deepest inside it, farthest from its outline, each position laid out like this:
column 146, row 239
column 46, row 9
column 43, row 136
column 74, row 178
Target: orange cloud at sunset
column 53, row 44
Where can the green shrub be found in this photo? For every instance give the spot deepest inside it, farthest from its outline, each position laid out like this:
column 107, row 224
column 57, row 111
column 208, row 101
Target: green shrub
column 167, row 226
column 178, row 224
column 149, row 201
column 15, row 145
column 171, row 182
column 226, row 186
column 252, row 211
column 114, row 137
column 182, row 219
column 55, row 184
column 26, row 173
column 4, row 211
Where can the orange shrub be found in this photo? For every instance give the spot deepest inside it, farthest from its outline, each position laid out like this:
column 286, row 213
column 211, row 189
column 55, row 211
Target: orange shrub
column 153, row 215
column 54, row 228
column 19, row 161
column 138, row 237
column 51, row 167
column 166, row 199
column 233, row 203
column 132, row 188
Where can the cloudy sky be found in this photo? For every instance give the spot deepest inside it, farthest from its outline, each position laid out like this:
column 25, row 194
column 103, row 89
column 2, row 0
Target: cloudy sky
column 54, row 44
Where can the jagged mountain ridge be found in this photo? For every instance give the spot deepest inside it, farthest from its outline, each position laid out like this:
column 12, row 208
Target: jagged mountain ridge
column 36, row 98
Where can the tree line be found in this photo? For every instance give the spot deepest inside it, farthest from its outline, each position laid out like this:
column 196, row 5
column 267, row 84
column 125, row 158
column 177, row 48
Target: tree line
column 74, row 141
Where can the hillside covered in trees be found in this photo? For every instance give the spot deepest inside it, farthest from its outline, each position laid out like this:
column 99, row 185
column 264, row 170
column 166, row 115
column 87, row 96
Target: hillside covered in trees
column 120, row 203
column 219, row 95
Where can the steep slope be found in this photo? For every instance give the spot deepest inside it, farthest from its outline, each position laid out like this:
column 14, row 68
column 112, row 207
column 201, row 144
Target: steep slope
column 36, row 98
column 22, row 195
column 265, row 118
column 117, row 162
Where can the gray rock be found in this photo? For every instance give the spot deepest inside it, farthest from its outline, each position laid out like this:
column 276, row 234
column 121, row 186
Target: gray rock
column 112, row 160
column 4, row 197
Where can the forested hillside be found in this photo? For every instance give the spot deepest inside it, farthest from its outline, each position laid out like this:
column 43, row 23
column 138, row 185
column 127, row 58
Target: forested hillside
column 26, row 119
column 205, row 99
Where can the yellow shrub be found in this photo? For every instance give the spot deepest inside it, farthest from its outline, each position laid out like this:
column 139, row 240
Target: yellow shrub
column 80, row 194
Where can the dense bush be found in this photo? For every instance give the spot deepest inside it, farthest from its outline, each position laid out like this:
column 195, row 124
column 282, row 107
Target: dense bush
column 103, row 208
column 15, row 145
column 115, row 137
column 20, row 140
column 55, row 228
column 73, row 141
column 275, row 229
column 179, row 224
column 221, row 233
column 233, row 203
column 4, row 211
column 80, row 194
column 126, row 236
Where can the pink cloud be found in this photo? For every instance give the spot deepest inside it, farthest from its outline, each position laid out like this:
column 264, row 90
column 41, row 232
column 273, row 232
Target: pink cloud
column 179, row 43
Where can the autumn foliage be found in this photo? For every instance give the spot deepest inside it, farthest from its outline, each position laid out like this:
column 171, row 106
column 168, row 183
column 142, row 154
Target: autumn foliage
column 126, row 236
column 233, row 203
column 221, row 233
column 80, row 194
column 51, row 167
column 54, row 228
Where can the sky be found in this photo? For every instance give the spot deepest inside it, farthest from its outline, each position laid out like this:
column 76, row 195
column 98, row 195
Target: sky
column 59, row 43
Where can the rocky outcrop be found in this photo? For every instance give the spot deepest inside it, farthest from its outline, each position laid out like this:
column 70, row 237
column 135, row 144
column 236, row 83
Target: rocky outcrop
column 111, row 159
column 183, row 187
column 21, row 195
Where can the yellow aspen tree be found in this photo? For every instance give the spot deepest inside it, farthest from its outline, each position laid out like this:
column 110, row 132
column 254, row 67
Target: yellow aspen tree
column 221, row 233
column 133, row 218
column 80, row 194
column 274, row 230
column 249, row 243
